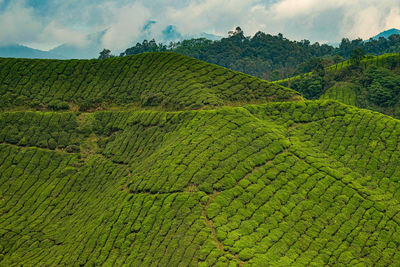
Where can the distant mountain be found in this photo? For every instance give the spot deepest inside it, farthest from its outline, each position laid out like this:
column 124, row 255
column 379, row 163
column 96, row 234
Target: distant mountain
column 171, row 34
column 386, row 34
column 95, row 44
column 89, row 51
column 64, row 51
column 21, row 51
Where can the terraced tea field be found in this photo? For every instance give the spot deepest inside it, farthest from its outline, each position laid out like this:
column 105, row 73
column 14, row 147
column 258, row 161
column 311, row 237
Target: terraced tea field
column 300, row 183
column 168, row 80
column 343, row 92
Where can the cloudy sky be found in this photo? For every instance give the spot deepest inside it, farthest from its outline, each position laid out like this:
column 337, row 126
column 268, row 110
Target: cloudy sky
column 45, row 24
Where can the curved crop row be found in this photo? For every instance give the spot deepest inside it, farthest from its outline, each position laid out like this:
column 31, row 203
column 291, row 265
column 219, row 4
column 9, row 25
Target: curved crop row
column 151, row 79
column 295, row 183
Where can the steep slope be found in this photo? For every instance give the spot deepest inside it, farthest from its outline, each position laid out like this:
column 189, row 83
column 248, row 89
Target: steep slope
column 168, row 80
column 279, row 184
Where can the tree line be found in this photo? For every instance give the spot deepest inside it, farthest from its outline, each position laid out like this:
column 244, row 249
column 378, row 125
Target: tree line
column 263, row 55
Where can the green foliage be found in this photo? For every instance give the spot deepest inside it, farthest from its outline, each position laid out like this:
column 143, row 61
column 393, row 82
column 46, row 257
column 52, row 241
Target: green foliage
column 375, row 47
column 270, row 57
column 259, row 55
column 166, row 80
column 311, row 86
column 344, row 92
column 281, row 183
column 356, row 56
column 370, row 82
column 379, row 95
column 58, row 105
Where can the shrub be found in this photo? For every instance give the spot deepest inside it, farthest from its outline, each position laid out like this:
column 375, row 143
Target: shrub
column 58, row 105
column 72, row 149
column 52, row 144
column 246, row 254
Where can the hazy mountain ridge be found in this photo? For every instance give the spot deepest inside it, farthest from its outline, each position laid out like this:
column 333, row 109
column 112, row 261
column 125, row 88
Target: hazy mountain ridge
column 386, row 34
column 20, row 51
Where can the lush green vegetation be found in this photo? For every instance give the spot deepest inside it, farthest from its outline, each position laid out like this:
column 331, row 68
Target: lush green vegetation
column 281, row 183
column 168, row 80
column 372, row 83
column 263, row 55
column 266, row 56
column 372, row 46
column 343, row 92
column 301, row 183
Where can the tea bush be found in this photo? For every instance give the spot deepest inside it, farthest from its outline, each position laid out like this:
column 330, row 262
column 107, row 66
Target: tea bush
column 276, row 183
column 164, row 79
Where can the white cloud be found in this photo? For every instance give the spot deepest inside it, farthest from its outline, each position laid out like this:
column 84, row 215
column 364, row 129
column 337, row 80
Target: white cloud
column 220, row 15
column 365, row 19
column 21, row 25
column 17, row 24
column 359, row 18
column 70, row 21
column 127, row 26
column 292, row 9
column 365, row 23
column 53, row 31
column 393, row 19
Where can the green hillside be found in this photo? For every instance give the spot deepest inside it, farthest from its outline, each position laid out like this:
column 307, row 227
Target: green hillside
column 342, row 91
column 279, row 184
column 168, row 80
column 373, row 83
column 264, row 55
column 293, row 183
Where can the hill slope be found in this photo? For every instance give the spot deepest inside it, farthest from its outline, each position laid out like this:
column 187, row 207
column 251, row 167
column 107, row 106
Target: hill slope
column 151, row 79
column 306, row 183
column 374, row 84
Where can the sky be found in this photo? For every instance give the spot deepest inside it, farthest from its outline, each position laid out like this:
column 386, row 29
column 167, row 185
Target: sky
column 45, row 24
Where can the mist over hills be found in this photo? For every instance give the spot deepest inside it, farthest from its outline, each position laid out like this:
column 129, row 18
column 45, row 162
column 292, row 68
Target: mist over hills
column 95, row 43
column 169, row 34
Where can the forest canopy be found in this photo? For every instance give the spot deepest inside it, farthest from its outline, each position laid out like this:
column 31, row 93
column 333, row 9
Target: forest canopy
column 267, row 56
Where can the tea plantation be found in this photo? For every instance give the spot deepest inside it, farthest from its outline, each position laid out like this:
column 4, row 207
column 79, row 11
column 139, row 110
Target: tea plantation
column 166, row 79
column 294, row 183
column 373, row 83
column 342, row 91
